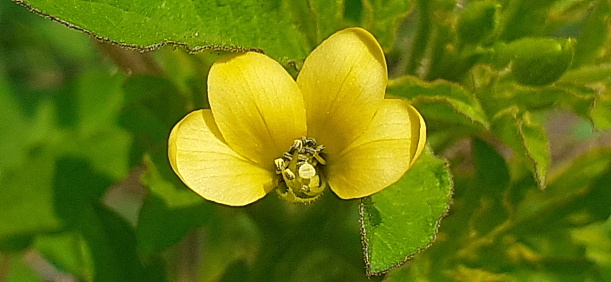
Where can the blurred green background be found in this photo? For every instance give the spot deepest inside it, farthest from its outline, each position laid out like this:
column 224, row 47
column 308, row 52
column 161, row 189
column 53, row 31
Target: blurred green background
column 521, row 113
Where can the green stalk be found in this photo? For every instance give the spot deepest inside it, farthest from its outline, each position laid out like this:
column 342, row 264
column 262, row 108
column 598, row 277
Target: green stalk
column 422, row 36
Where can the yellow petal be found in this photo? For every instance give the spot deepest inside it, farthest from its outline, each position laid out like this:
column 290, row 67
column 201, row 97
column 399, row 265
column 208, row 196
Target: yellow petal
column 209, row 167
column 343, row 82
column 379, row 157
column 418, row 139
column 257, row 106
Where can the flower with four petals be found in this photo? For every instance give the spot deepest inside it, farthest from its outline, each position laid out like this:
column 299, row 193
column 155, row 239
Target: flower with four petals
column 331, row 127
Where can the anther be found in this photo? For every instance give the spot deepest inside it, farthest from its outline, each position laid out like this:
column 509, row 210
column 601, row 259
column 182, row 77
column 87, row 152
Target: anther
column 302, row 180
column 280, row 165
column 320, row 159
column 297, row 145
column 288, row 174
column 309, row 142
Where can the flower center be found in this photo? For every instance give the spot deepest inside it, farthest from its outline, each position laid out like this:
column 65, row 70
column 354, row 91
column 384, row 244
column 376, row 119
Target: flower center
column 302, row 180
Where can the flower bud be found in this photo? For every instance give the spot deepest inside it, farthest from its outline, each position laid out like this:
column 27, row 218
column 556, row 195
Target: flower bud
column 539, row 61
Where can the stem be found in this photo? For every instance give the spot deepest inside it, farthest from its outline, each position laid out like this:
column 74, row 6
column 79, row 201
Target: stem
column 130, row 61
column 189, row 257
column 438, row 55
column 308, row 231
column 489, row 239
column 422, row 36
column 5, row 266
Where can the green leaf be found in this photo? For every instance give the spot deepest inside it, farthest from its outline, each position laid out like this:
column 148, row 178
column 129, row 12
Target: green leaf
column 523, row 18
column 196, row 25
column 595, row 239
column 492, row 181
column 26, row 133
column 318, row 18
column 158, row 97
column 383, row 17
column 526, row 138
column 536, row 98
column 578, row 196
column 170, row 211
column 594, row 34
column 476, row 22
column 65, row 251
column 93, row 134
column 557, row 254
column 581, row 97
column 152, row 107
column 76, row 184
column 402, row 220
column 27, row 197
column 492, row 172
column 440, row 101
column 111, row 244
column 588, row 75
column 11, row 244
column 463, row 273
column 601, row 112
column 18, row 269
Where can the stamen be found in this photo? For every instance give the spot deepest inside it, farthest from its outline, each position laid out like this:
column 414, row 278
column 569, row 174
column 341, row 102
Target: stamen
column 297, row 145
column 280, row 165
column 300, row 168
column 288, row 174
column 320, row 159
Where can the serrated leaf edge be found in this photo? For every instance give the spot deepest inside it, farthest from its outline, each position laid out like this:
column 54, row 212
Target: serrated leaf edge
column 370, row 273
column 474, row 102
column 148, row 48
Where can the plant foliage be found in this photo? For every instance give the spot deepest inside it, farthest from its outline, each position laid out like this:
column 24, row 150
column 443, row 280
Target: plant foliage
column 516, row 96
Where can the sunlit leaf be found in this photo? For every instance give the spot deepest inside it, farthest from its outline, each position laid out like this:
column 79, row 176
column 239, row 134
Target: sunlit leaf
column 577, row 197
column 588, row 74
column 27, row 197
column 440, row 101
column 194, row 24
column 402, row 220
column 526, row 138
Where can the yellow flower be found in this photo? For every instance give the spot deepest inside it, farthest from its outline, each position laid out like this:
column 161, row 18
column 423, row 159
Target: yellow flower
column 331, row 127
